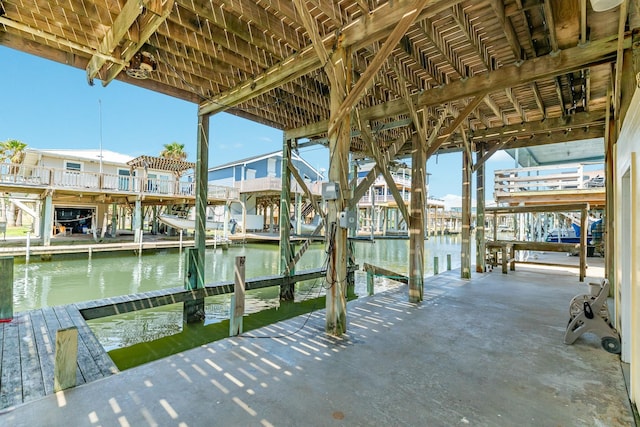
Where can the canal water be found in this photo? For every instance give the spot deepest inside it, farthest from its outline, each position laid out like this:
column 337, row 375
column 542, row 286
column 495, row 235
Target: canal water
column 136, row 338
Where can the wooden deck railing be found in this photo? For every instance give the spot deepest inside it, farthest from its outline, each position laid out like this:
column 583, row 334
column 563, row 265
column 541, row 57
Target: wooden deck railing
column 548, row 178
column 42, row 177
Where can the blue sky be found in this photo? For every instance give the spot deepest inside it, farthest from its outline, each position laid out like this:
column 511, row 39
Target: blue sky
column 50, row 106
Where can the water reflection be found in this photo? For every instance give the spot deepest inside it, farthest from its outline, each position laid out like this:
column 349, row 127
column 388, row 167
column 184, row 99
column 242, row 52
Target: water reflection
column 67, row 280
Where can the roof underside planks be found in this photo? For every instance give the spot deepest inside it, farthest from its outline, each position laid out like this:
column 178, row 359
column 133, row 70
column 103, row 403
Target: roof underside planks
column 255, row 59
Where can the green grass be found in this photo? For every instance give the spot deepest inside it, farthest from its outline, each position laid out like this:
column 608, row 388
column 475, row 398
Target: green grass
column 18, row 231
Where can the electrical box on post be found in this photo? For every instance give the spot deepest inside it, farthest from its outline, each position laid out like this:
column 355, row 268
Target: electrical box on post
column 348, row 219
column 330, row 191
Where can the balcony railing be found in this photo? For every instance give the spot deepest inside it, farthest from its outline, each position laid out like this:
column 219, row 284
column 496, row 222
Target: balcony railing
column 37, row 176
column 548, row 178
column 274, row 184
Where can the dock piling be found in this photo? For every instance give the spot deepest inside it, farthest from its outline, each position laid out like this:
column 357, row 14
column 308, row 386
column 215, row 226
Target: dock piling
column 66, row 358
column 6, row 289
column 448, row 262
column 435, row 265
column 237, row 299
column 369, row 282
column 26, row 259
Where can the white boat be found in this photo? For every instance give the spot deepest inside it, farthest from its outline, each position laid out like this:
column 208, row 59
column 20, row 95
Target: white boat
column 180, row 223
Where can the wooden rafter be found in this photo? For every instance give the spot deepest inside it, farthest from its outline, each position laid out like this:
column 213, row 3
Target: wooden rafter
column 114, row 35
column 369, row 179
column 376, row 63
column 362, row 32
column 510, row 33
column 577, row 120
column 453, row 126
column 151, row 21
column 382, row 167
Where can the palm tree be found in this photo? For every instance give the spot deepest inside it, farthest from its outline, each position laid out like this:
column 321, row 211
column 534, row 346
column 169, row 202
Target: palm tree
column 13, row 151
column 174, row 151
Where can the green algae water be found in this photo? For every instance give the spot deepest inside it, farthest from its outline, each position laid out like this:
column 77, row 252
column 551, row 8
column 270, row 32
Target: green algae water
column 142, row 336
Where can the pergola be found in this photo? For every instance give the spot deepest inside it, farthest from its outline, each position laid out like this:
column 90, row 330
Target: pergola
column 378, row 79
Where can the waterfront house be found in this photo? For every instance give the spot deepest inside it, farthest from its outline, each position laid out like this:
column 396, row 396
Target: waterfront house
column 258, row 180
column 98, row 191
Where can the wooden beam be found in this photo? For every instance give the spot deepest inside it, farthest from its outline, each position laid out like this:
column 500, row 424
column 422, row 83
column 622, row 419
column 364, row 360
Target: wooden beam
column 465, row 247
column 366, row 78
column 598, row 51
column 307, row 192
column 556, row 137
column 551, row 27
column 149, row 25
column 53, row 38
column 413, row 113
column 366, row 182
column 510, row 33
column 362, row 32
column 564, row 207
column 114, row 35
column 619, row 62
column 577, row 120
column 311, row 26
column 416, row 221
column 383, row 169
column 454, row 125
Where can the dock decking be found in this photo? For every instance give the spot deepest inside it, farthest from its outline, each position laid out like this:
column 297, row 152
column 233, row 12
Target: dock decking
column 27, row 343
column 28, row 350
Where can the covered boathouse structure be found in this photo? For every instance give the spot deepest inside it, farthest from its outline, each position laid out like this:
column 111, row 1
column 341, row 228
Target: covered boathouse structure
column 381, row 79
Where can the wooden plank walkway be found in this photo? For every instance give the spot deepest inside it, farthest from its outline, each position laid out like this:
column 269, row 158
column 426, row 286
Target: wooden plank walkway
column 28, row 350
column 27, row 343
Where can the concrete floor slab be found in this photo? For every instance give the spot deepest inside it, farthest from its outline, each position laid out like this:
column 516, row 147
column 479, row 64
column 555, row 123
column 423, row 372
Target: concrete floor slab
column 485, row 352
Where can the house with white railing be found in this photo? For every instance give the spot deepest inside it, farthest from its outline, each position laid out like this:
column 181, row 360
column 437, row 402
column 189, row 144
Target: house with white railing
column 379, row 212
column 70, row 191
column 258, row 181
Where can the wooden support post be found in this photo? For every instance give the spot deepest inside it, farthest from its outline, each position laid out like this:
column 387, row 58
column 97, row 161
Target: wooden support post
column 286, row 255
column 202, row 186
column 480, row 199
column 584, row 223
column 28, row 248
column 298, row 210
column 370, row 282
column 114, row 219
column 610, row 206
column 137, row 221
column 416, row 221
column 66, row 359
column 237, row 299
column 6, row 289
column 193, row 310
column 436, row 266
column 47, row 220
column 339, row 134
column 448, row 262
column 465, row 252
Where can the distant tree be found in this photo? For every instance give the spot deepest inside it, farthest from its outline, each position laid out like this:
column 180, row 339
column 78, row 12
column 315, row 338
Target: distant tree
column 174, row 151
column 12, row 151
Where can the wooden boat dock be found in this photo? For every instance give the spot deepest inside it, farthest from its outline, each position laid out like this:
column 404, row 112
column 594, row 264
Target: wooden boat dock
column 27, row 343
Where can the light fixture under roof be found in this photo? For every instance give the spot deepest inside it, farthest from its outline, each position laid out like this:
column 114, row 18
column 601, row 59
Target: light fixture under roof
column 602, row 5
column 141, row 65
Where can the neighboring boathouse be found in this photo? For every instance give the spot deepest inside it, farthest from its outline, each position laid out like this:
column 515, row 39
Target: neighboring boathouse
column 382, row 80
